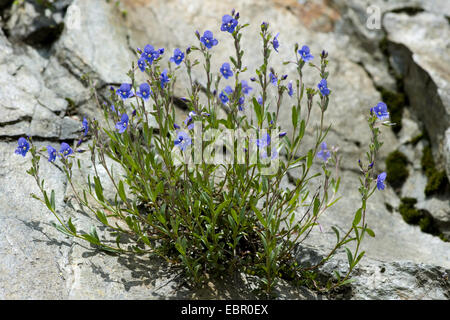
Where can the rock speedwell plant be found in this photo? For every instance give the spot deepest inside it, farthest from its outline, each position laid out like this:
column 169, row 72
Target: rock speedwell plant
column 211, row 217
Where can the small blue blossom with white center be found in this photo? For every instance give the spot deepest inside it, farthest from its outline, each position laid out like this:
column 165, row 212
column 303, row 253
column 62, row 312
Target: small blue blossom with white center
column 178, row 56
column 23, row 147
column 183, row 140
column 122, row 125
column 290, row 89
column 305, row 54
column 225, row 70
column 125, row 91
column 228, row 90
column 380, row 181
column 208, row 40
column 324, row 153
column 144, row 91
column 164, row 78
column 148, row 53
column 85, row 125
column 323, row 87
column 245, row 87
column 51, row 153
column 275, row 43
column 381, row 111
column 65, row 150
column 228, row 23
column 142, row 64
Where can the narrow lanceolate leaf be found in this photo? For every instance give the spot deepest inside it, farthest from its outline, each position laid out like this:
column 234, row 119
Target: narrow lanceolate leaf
column 71, row 226
column 294, row 116
column 310, row 158
column 98, row 189
column 122, row 191
column 357, row 218
column 370, row 232
column 349, row 257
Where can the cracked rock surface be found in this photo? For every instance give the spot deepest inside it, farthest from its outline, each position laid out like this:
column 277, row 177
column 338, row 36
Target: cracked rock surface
column 43, row 95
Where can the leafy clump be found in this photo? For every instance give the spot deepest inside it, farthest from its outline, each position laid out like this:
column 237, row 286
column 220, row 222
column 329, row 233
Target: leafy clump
column 396, row 169
column 206, row 194
column 437, row 179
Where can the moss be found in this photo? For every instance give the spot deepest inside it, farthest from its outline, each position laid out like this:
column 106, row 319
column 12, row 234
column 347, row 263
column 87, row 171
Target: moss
column 396, row 169
column 396, row 102
column 427, row 225
column 437, row 180
column 408, row 211
column 416, row 139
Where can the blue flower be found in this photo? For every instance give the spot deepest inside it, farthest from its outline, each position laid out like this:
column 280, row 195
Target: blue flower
column 208, row 39
column 124, row 91
column 282, row 134
column 381, row 111
column 260, row 100
column 51, row 153
column 324, row 153
column 225, row 70
column 188, row 121
column 183, row 140
column 175, row 126
column 263, row 142
column 164, row 78
column 241, row 103
column 148, row 53
column 144, row 91
column 228, row 90
column 65, row 150
column 380, row 181
column 275, row 43
column 85, row 125
column 23, row 147
column 245, row 87
column 228, row 23
column 323, row 87
column 142, row 63
column 290, row 89
column 223, row 97
column 273, row 79
column 305, row 55
column 178, row 56
column 123, row 123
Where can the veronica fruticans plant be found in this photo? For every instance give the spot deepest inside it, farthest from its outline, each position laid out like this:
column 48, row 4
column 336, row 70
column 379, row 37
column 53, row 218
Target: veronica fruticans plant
column 211, row 217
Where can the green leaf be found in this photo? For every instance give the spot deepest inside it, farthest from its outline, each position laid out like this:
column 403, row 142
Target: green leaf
column 258, row 111
column 294, row 116
column 98, row 189
column 310, row 158
column 102, row 217
column 349, row 257
column 52, row 200
column 122, row 191
column 370, row 232
column 71, row 226
column 337, row 233
column 357, row 218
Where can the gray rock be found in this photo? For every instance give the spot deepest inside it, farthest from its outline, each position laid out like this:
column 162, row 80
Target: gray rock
column 33, row 23
column 439, row 208
column 420, row 51
column 97, row 43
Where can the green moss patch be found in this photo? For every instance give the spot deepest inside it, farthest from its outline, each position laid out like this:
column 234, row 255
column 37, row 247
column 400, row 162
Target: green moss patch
column 437, row 179
column 396, row 169
column 422, row 218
